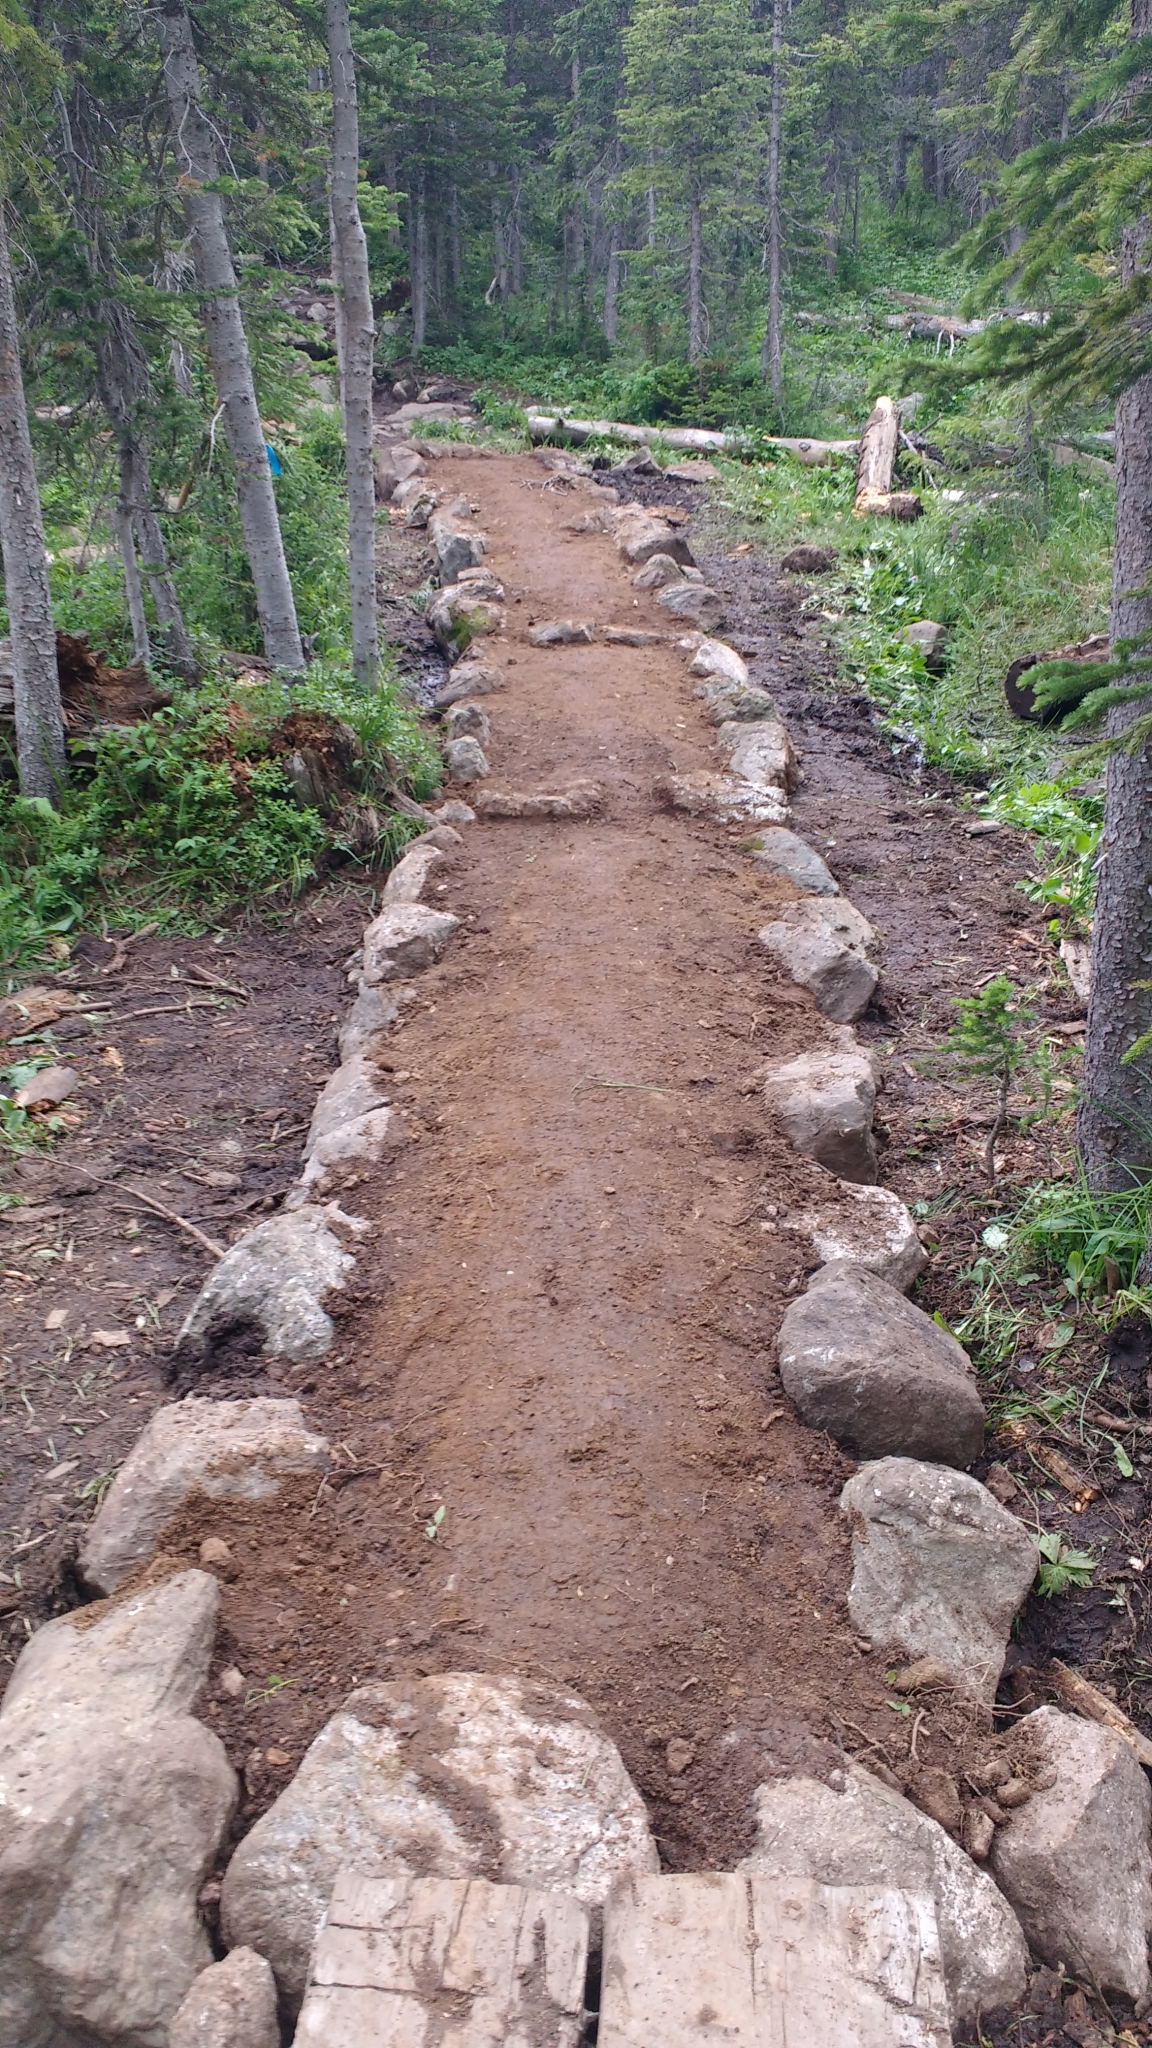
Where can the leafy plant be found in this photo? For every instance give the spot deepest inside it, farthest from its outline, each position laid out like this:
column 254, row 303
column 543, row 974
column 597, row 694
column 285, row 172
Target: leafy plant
column 1061, row 1566
column 991, row 1039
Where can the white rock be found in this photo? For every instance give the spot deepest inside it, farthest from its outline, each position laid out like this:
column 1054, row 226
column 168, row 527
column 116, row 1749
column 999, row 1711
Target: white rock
column 465, row 760
column 469, row 720
column 861, row 1833
column 278, row 1277
column 363, row 1140
column 350, row 1093
column 231, row 2005
column 877, row 1374
column 824, row 945
column 1075, row 1861
column 825, row 1100
column 760, row 753
column 723, row 797
column 716, row 658
column 395, row 1955
column 865, row 1226
column 691, row 1961
column 403, row 939
column 229, row 1450
column 409, row 878
column 390, row 1786
column 939, row 1568
column 113, row 1804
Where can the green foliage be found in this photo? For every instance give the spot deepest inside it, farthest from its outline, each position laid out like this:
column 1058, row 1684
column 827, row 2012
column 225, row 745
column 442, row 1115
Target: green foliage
column 1061, row 1567
column 991, row 1036
column 1090, row 1240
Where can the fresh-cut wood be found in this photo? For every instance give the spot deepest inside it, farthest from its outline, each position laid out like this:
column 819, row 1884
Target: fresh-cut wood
column 550, row 426
column 875, row 463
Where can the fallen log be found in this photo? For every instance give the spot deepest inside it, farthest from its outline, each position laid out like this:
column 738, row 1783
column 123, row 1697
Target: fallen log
column 544, row 426
column 1020, row 696
column 874, row 465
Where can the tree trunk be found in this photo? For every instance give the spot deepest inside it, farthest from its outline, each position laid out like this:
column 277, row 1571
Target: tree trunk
column 356, row 333
column 900, row 143
column 418, row 260
column 39, row 718
column 195, row 148
column 695, row 284
column 612, row 286
column 771, row 355
column 875, row 462
column 133, row 586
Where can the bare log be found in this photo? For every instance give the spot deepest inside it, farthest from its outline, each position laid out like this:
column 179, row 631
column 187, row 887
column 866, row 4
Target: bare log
column 875, row 463
column 701, row 440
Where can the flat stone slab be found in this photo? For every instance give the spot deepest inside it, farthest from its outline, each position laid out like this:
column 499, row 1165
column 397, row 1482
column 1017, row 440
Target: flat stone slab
column 416, row 1963
column 758, row 1962
column 725, row 798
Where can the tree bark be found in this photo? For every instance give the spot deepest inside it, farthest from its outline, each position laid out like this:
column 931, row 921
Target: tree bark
column 695, row 284
column 195, row 148
column 612, row 286
column 771, row 355
column 356, row 334
column 39, row 717
column 418, row 260
column 133, row 585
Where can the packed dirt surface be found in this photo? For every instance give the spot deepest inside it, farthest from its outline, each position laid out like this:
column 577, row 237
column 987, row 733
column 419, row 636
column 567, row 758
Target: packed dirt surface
column 563, row 1449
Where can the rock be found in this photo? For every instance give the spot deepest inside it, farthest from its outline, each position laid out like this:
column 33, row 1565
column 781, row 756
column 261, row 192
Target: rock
column 868, row 1227
column 563, row 633
column 409, row 878
column 715, row 658
column 724, row 705
column 458, row 614
column 657, row 571
column 1075, row 1861
column 825, row 1100
column 641, row 462
column 750, row 1960
column 275, row 1278
column 467, row 720
column 372, row 1014
column 465, row 759
column 694, row 601
column 468, row 679
column 113, row 1804
column 722, row 797
column 453, row 812
column 47, row 1088
column 231, row 2005
column 403, row 939
column 678, row 1756
column 363, row 1140
column 457, row 543
column 809, row 560
column 937, row 1794
column 939, row 1569
column 215, row 1554
column 353, row 1091
column 229, row 1450
column 482, row 583
column 861, row 1833
column 784, row 853
column 824, row 945
column 579, row 800
column 761, row 754
column 639, row 535
column 397, row 1955
column 231, row 1682
column 929, row 637
column 1077, row 957
column 878, row 1374
column 458, row 1775
column 633, row 636
column 697, row 472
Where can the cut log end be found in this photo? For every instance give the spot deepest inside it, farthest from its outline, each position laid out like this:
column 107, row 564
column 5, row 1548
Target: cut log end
column 888, row 504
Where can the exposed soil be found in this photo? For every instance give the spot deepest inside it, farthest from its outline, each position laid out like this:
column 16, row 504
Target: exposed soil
column 562, row 1328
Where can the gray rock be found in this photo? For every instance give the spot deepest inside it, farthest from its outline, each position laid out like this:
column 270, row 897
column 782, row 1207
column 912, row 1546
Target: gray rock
column 563, row 633
column 868, row 1227
column 509, row 1965
column 761, row 753
column 457, row 543
column 403, row 939
column 725, row 798
column 808, row 560
column 416, row 499
column 825, row 946
column 113, row 1804
column 657, row 571
column 825, row 1100
column 723, row 704
column 469, row 720
column 858, row 1832
column 1075, row 1861
column 465, row 759
column 930, row 637
column 723, row 1957
column 714, row 658
column 352, row 1092
column 639, row 535
column 453, row 812
column 394, row 1786
column 458, row 614
column 579, row 800
column 696, row 601
column 372, row 1014
column 363, row 1140
column 409, row 878
column 277, row 1277
column 878, row 1374
column 633, row 636
column 231, row 2005
column 784, row 853
column 468, row 679
column 229, row 1450
column 939, row 1568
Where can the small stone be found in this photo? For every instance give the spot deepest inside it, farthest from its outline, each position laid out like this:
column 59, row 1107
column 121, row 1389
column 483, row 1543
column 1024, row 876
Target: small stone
column 563, row 633
column 809, row 560
column 761, row 753
column 825, row 1100
column 458, row 614
column 232, row 1682
column 726, row 706
column 465, row 760
column 1001, row 1485
column 1014, row 1792
column 936, row 1793
column 469, row 720
column 231, row 2005
column 47, row 1088
column 784, row 853
column 633, row 636
column 723, row 797
column 214, row 1551
column 657, row 572
column 678, row 1755
column 453, row 812
column 639, row 535
column 927, row 1673
column 979, row 1833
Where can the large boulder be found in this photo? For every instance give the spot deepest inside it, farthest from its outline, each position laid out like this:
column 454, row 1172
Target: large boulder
column 231, row 2005
column 114, row 1802
column 825, row 946
column 453, row 1776
column 865, row 1226
column 275, row 1279
column 825, row 1101
column 878, row 1374
column 939, row 1568
column 1075, row 1860
column 856, row 1831
column 229, row 1450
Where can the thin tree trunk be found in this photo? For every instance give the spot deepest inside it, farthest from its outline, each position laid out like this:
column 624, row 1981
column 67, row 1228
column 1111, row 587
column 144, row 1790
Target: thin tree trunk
column 418, row 260
column 651, row 216
column 695, row 283
column 771, row 355
column 515, row 236
column 455, row 254
column 195, row 149
column 39, row 717
column 899, row 167
column 356, row 333
column 612, row 286
column 391, row 175
column 133, row 585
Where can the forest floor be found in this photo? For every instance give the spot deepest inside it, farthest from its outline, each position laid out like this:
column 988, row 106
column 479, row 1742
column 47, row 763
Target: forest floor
column 562, row 1326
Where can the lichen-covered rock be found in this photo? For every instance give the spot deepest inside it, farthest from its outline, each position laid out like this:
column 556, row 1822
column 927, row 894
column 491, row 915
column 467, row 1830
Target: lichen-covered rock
column 459, row 614
column 868, row 1227
column 454, row 1776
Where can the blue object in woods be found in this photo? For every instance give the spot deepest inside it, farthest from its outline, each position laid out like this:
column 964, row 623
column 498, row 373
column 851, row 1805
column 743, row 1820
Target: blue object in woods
column 274, row 462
